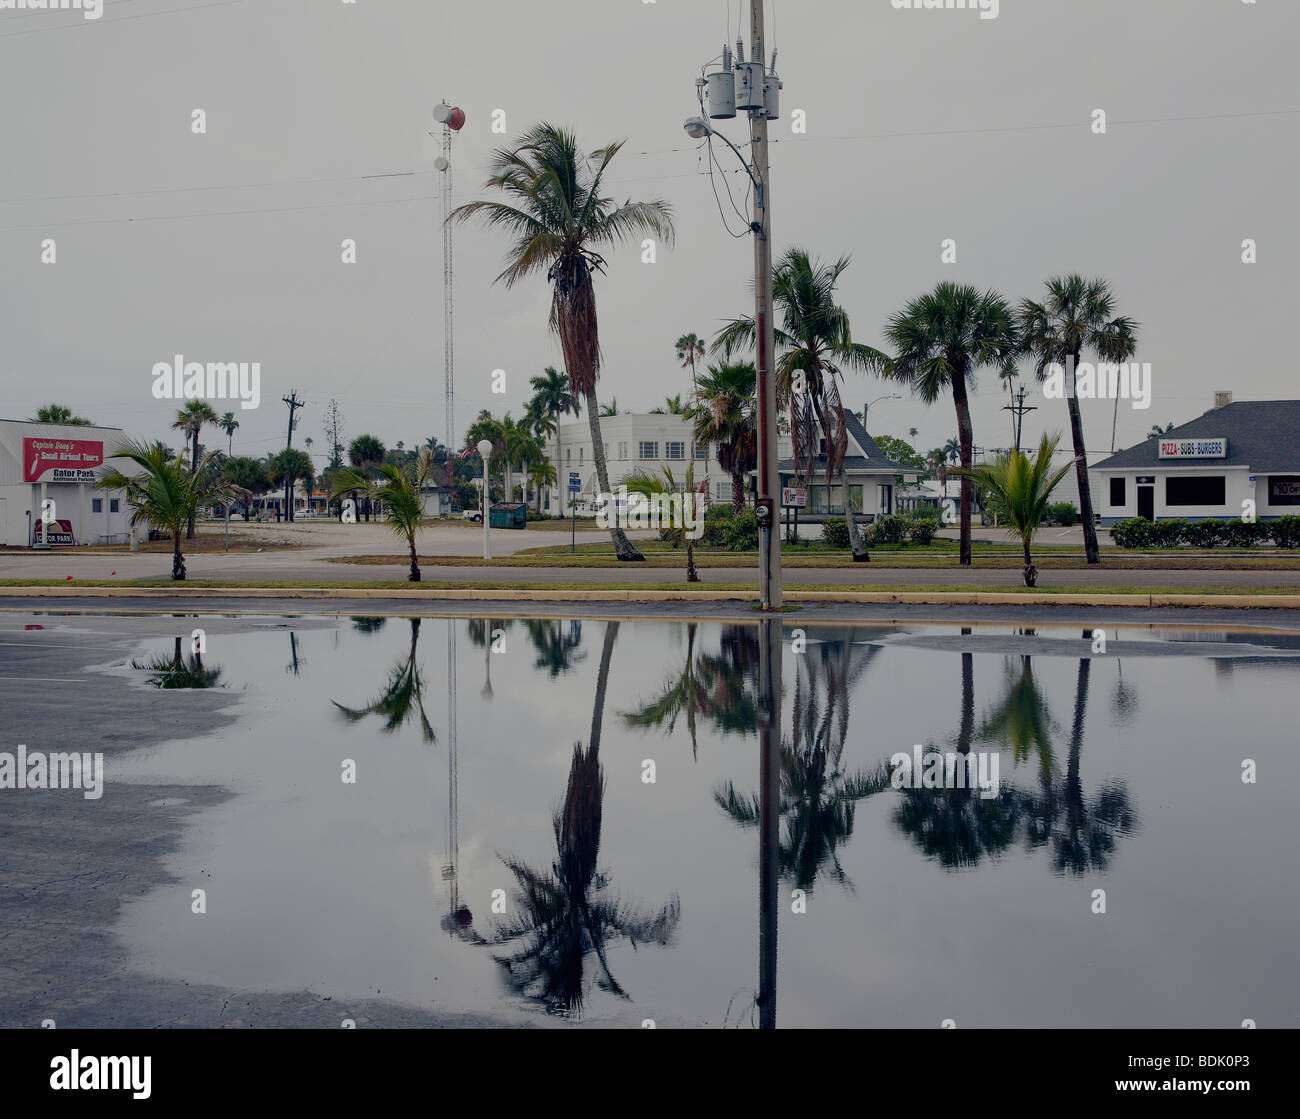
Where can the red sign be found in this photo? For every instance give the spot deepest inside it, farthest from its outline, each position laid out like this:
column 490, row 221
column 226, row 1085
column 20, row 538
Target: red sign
column 60, row 535
column 61, row 460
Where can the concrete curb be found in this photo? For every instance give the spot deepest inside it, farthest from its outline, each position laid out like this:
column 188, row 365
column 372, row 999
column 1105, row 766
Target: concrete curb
column 925, row 598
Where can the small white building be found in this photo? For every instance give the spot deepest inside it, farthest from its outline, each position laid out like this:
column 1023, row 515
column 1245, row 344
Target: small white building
column 60, row 463
column 873, row 479
column 1210, row 468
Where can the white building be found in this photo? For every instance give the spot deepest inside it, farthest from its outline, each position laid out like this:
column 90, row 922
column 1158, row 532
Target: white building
column 633, row 443
column 59, row 463
column 1210, row 467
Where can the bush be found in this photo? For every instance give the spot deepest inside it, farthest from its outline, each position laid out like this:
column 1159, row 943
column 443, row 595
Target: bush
column 1205, row 534
column 1246, row 534
column 1167, row 534
column 1063, row 513
column 717, row 522
column 1285, row 532
column 921, row 528
column 742, row 531
column 835, row 531
column 889, row 530
column 1135, row 532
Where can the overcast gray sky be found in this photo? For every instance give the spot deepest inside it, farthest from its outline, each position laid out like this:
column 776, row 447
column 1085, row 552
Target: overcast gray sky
column 921, row 125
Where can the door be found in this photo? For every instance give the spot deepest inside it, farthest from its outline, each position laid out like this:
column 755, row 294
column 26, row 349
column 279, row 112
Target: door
column 1147, row 502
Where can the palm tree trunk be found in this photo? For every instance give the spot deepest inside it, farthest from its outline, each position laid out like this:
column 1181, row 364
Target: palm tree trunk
column 1031, row 572
column 602, row 681
column 194, row 469
column 1081, row 473
column 622, row 545
column 860, row 553
column 561, row 479
column 178, row 560
column 414, row 577
column 962, row 403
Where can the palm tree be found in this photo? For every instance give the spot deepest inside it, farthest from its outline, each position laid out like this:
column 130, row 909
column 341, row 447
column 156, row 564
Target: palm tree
column 939, row 340
column 366, row 452
column 230, row 425
column 175, row 672
column 724, row 413
column 610, row 409
column 190, row 420
column 1077, row 315
column 557, row 647
column 400, row 494
column 690, row 350
column 165, row 493
column 58, row 414
column 553, row 397
column 541, row 473
column 402, row 697
column 814, row 339
column 952, row 450
column 568, row 913
column 1157, row 431
column 650, row 485
column 288, row 468
column 672, row 406
column 560, row 219
column 1024, row 489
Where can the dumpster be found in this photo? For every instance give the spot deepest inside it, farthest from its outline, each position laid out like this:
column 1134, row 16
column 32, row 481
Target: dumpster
column 508, row 514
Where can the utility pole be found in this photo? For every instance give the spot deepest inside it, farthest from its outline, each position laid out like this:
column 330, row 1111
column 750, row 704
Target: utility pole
column 770, row 576
column 1019, row 408
column 294, row 404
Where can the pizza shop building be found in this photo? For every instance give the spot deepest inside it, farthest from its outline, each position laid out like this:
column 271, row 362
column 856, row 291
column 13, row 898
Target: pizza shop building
column 1209, row 468
column 59, row 463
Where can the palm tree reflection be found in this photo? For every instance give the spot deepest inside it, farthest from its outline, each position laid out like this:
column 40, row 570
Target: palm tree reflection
column 556, row 644
column 177, row 672
column 564, row 914
column 817, row 799
column 402, row 697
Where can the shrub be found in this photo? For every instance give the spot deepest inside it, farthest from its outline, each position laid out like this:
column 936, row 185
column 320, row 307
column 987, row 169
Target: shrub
column 742, row 531
column 1135, row 532
column 1063, row 513
column 717, row 521
column 1246, row 534
column 921, row 529
column 1205, row 534
column 835, row 531
column 1167, row 534
column 1285, row 532
column 889, row 530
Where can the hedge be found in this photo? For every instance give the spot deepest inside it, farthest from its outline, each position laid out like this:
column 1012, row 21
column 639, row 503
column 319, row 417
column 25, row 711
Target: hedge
column 1138, row 532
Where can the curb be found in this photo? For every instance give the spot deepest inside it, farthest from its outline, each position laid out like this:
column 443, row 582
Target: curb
column 926, row 598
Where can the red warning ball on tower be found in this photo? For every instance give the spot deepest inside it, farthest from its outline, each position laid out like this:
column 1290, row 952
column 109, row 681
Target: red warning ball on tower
column 449, row 115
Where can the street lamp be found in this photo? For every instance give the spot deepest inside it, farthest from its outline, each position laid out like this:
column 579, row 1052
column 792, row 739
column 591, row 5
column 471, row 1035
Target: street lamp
column 867, row 407
column 485, row 449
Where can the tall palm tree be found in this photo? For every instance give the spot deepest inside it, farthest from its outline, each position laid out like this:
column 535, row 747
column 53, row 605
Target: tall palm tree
column 1024, row 488
column 690, row 350
column 1077, row 315
column 560, row 217
column 952, row 450
column 190, row 420
column 366, row 452
column 166, row 493
column 58, row 414
column 287, row 469
column 939, row 340
column 553, row 397
column 568, row 913
column 725, row 413
column 230, row 425
column 814, row 339
column 402, row 696
column 400, row 494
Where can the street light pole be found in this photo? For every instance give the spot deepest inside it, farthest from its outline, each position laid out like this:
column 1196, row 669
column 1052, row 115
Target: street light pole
column 485, row 449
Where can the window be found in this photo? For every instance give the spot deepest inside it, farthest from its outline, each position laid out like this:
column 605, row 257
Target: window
column 723, row 491
column 622, row 451
column 1204, row 489
column 113, row 505
column 1118, row 499
column 1283, row 490
column 580, row 450
column 96, row 504
column 701, row 450
column 568, row 455
column 647, row 449
column 674, row 450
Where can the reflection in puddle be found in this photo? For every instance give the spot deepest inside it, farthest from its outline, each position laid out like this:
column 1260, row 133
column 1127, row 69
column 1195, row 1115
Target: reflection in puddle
column 567, row 833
